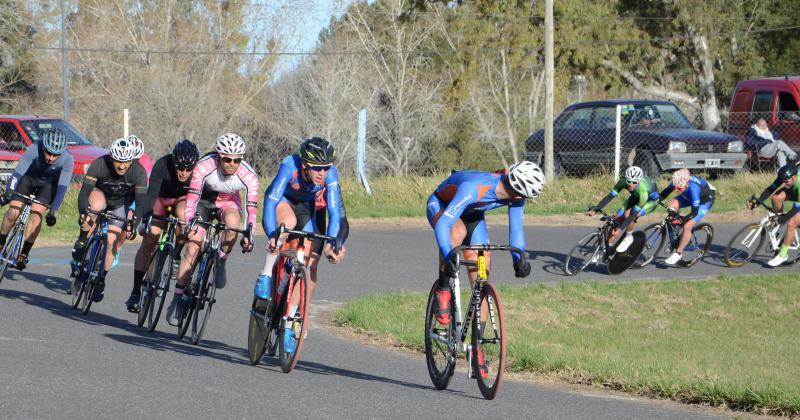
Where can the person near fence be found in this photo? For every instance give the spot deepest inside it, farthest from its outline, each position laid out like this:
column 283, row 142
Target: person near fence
column 116, row 182
column 642, row 200
column 44, row 170
column 784, row 188
column 291, row 200
column 694, row 192
column 767, row 143
column 169, row 184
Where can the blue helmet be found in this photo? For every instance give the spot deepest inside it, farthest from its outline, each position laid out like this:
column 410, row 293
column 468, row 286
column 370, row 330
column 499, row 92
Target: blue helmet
column 54, row 141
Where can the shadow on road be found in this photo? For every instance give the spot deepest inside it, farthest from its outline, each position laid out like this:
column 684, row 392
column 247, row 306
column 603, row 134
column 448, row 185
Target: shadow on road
column 56, row 284
column 162, row 341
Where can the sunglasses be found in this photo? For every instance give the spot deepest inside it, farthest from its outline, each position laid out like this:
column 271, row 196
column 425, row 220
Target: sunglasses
column 319, row 168
column 631, row 182
column 230, row 159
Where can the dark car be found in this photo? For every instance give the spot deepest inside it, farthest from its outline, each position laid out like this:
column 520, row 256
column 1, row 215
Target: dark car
column 655, row 135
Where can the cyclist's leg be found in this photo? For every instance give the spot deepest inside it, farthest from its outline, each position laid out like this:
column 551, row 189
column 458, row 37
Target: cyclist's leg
column 477, row 234
column 45, row 193
column 777, row 201
column 193, row 244
column 97, row 201
column 178, row 210
column 145, row 252
column 233, row 218
column 284, row 214
column 14, row 208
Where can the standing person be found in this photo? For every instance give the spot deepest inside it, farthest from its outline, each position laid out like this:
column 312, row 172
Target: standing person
column 767, row 143
column 169, row 184
column 113, row 182
column 695, row 192
column 45, row 171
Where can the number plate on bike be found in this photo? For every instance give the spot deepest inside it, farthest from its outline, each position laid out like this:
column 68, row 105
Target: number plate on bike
column 712, row 163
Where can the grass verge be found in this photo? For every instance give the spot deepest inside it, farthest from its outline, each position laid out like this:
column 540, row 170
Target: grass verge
column 729, row 341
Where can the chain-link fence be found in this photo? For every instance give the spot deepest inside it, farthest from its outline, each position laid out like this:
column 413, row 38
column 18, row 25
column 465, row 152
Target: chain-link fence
column 770, row 137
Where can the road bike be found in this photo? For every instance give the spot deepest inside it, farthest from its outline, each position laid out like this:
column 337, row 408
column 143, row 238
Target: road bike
column 155, row 285
column 270, row 319
column 594, row 249
column 486, row 351
column 748, row 241
column 16, row 237
column 88, row 269
column 669, row 231
column 199, row 295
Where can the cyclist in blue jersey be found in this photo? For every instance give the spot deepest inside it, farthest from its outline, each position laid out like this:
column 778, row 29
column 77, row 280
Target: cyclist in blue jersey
column 695, row 192
column 290, row 200
column 456, row 212
column 45, row 171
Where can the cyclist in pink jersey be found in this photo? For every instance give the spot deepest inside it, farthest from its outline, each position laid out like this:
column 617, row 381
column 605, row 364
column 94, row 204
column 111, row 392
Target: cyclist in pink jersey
column 217, row 180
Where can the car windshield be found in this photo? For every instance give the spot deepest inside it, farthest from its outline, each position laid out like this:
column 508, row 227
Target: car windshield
column 650, row 116
column 35, row 127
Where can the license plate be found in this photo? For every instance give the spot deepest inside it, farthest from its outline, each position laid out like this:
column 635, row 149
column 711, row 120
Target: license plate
column 712, row 163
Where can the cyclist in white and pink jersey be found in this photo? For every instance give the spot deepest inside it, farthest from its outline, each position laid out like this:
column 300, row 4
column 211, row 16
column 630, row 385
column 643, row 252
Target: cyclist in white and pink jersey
column 217, row 180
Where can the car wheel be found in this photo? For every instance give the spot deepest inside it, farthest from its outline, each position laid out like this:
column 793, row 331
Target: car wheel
column 647, row 161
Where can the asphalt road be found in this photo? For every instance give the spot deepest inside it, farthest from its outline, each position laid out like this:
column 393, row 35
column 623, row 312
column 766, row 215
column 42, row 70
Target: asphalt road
column 56, row 363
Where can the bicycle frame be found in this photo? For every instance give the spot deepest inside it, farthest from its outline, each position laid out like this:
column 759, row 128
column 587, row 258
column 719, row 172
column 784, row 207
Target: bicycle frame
column 769, row 224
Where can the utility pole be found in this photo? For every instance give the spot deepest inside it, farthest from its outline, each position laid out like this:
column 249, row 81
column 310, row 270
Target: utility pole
column 64, row 61
column 548, row 89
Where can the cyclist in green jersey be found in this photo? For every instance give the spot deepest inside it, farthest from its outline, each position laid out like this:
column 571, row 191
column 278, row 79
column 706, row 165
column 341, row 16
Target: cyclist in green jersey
column 784, row 188
column 643, row 199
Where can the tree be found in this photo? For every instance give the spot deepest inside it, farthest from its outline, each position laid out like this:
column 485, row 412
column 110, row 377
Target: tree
column 18, row 70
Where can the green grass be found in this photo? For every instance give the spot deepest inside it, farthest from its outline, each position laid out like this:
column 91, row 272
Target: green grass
column 724, row 341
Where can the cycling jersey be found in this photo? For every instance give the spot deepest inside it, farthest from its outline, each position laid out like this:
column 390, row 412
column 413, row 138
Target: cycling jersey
column 468, row 195
column 289, row 186
column 32, row 165
column 699, row 195
column 643, row 198
column 792, row 192
column 164, row 184
column 119, row 190
column 209, row 184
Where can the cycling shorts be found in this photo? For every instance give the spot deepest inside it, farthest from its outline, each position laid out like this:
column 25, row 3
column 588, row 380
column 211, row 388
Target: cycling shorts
column 474, row 221
column 43, row 191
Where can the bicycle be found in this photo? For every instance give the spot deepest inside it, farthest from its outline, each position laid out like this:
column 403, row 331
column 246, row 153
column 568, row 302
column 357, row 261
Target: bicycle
column 199, row 295
column 93, row 261
column 444, row 342
column 657, row 234
column 594, row 248
column 155, row 285
column 16, row 237
column 269, row 318
column 749, row 240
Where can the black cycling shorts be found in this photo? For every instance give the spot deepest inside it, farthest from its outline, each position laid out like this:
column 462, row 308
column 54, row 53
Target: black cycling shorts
column 44, row 192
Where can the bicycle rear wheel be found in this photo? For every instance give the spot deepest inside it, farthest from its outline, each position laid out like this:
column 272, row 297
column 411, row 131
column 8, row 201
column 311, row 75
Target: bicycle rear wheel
column 653, row 243
column 258, row 331
column 584, row 252
column 299, row 323
column 159, row 291
column 204, row 301
column 11, row 249
column 440, row 343
column 489, row 345
column 699, row 243
column 744, row 245
column 147, row 290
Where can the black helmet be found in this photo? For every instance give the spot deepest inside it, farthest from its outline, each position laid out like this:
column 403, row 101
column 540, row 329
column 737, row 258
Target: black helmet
column 787, row 171
column 317, row 151
column 185, row 154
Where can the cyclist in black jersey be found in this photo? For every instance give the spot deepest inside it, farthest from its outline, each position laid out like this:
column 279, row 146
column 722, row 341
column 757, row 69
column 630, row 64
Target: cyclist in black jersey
column 45, row 171
column 113, row 182
column 169, row 183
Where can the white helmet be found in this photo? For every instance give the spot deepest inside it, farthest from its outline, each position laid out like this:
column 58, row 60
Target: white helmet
column 633, row 174
column 526, row 178
column 137, row 144
column 230, row 144
column 123, row 150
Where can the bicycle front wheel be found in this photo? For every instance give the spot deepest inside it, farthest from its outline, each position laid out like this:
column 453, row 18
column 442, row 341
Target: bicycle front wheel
column 93, row 262
column 440, row 345
column 489, row 344
column 11, row 249
column 204, row 301
column 147, row 290
column 699, row 243
column 744, row 245
column 298, row 323
column 258, row 331
column 653, row 243
column 585, row 252
column 159, row 292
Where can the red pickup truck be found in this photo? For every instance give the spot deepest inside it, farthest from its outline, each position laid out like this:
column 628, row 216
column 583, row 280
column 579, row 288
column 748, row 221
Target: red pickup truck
column 17, row 132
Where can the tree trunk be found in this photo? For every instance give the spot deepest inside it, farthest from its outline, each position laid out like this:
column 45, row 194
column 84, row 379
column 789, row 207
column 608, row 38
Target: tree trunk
column 706, row 98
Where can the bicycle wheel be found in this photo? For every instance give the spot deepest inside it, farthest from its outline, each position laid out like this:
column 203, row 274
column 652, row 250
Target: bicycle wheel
column 744, row 245
column 204, row 301
column 147, row 290
column 585, row 252
column 160, row 291
column 11, row 249
column 299, row 323
column 440, row 345
column 258, row 331
column 654, row 237
column 489, row 341
column 699, row 243
column 186, row 314
column 93, row 262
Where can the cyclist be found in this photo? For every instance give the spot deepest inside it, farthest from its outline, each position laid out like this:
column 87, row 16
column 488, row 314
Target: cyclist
column 169, row 184
column 217, row 179
column 44, row 170
column 291, row 200
column 643, row 199
column 113, row 182
column 695, row 192
column 784, row 188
